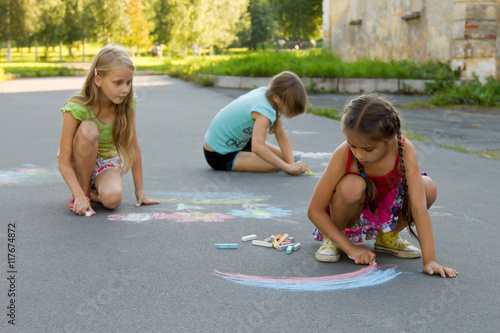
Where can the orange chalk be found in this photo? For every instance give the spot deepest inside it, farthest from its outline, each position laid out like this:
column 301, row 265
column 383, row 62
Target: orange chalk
column 283, row 238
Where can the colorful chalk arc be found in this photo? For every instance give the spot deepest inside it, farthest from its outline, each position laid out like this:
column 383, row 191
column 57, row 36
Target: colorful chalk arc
column 369, row 276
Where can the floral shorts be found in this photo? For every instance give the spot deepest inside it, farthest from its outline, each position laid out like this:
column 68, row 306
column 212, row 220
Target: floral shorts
column 104, row 164
column 368, row 225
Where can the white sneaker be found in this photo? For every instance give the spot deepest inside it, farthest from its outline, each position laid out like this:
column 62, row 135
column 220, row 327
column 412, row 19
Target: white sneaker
column 328, row 252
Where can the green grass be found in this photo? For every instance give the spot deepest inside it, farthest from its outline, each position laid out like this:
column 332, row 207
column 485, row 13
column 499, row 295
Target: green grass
column 324, row 112
column 469, row 93
column 322, row 64
column 37, row 69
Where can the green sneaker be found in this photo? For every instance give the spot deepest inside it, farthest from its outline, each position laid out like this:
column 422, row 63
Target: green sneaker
column 328, row 252
column 392, row 243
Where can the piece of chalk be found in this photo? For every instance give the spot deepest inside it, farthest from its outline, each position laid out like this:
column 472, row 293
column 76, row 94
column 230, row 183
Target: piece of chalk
column 291, row 239
column 286, row 243
column 261, row 243
column 283, row 238
column 227, row 245
column 282, row 247
column 309, row 172
column 295, row 246
column 268, row 239
column 89, row 213
column 248, row 238
column 274, row 242
column 289, row 249
column 277, row 237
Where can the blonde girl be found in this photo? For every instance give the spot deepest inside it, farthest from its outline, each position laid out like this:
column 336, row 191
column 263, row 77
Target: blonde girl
column 373, row 188
column 236, row 137
column 99, row 140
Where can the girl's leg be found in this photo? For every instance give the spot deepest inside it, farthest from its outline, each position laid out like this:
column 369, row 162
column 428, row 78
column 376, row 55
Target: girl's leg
column 345, row 208
column 109, row 188
column 430, row 195
column 347, row 201
column 392, row 242
column 251, row 162
column 85, row 144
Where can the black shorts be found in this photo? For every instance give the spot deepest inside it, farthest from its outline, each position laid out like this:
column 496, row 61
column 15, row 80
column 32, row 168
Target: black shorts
column 224, row 162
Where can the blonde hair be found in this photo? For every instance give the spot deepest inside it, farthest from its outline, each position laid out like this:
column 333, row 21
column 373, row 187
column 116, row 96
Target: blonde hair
column 108, row 59
column 291, row 91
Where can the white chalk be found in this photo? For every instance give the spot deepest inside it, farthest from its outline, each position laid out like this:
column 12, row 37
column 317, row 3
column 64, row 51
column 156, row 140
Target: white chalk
column 295, row 247
column 261, row 243
column 248, row 238
column 88, row 213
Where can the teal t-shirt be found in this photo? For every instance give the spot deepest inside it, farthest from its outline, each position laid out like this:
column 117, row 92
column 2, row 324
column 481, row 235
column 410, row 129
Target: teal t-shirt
column 106, row 148
column 231, row 128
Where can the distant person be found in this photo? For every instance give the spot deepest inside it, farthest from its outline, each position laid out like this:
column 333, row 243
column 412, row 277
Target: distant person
column 236, row 137
column 98, row 131
column 195, row 49
column 159, row 50
column 313, row 43
column 373, row 187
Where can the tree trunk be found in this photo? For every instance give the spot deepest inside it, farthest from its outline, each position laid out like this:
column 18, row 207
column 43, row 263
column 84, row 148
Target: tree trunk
column 36, row 49
column 83, row 49
column 60, row 50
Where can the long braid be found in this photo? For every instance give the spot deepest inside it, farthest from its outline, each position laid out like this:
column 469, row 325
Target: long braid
column 371, row 191
column 405, row 214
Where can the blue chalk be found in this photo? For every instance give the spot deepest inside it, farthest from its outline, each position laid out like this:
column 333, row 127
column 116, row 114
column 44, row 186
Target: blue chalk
column 282, row 247
column 289, row 249
column 227, row 245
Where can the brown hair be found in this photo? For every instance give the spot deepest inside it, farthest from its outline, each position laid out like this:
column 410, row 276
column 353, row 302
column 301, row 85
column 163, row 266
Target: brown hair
column 375, row 116
column 291, row 91
column 108, row 59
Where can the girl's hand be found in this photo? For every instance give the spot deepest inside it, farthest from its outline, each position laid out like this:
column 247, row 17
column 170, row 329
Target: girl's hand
column 361, row 255
column 81, row 205
column 142, row 199
column 296, row 168
column 432, row 267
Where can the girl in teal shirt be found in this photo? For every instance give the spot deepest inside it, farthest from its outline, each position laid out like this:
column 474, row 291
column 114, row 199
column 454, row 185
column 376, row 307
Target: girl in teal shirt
column 236, row 137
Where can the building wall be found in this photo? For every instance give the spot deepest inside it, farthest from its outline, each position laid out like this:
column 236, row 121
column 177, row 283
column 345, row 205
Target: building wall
column 461, row 32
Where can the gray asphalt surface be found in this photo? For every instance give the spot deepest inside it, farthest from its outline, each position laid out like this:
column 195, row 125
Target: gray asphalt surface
column 156, row 268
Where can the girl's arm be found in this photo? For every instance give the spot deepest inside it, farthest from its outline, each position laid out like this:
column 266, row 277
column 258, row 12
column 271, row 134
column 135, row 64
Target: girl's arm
column 322, row 197
column 420, row 213
column 283, row 141
column 137, row 176
column 65, row 164
column 260, row 148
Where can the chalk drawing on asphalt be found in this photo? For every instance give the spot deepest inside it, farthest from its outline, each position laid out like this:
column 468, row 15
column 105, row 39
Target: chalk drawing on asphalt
column 369, row 276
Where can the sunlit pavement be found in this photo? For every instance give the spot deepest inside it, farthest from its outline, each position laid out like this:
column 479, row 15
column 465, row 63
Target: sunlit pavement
column 156, row 268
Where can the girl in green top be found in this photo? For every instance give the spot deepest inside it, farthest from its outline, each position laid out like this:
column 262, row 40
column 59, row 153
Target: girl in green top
column 98, row 140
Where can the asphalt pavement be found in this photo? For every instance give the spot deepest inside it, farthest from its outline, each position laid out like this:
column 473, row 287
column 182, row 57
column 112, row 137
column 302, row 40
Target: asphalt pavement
column 157, row 269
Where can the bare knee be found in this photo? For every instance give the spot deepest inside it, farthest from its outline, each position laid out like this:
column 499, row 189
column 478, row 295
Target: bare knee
column 88, row 131
column 430, row 190
column 351, row 189
column 112, row 199
column 86, row 138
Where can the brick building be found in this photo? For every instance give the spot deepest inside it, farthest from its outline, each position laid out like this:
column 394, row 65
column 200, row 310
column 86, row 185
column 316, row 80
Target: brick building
column 461, row 32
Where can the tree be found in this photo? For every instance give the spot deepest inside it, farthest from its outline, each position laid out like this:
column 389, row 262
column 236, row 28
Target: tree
column 51, row 23
column 139, row 26
column 72, row 23
column 162, row 26
column 263, row 22
column 111, row 24
column 300, row 18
